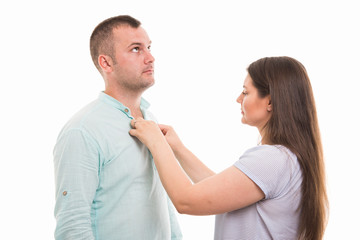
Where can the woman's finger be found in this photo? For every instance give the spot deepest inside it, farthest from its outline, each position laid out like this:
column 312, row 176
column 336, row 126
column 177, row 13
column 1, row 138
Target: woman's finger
column 134, row 121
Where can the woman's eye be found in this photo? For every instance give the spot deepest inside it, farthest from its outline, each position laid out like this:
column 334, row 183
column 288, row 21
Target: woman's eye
column 244, row 93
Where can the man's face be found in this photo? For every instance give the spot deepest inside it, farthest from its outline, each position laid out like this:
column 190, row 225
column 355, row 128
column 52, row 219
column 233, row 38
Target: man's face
column 134, row 67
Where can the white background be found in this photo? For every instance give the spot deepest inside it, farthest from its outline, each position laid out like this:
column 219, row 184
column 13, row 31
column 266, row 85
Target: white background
column 202, row 49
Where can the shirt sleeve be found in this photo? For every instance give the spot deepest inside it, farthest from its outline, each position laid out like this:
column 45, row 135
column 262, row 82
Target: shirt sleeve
column 175, row 228
column 269, row 167
column 76, row 163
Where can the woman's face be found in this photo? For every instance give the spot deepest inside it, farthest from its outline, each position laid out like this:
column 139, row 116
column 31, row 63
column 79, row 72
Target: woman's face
column 255, row 111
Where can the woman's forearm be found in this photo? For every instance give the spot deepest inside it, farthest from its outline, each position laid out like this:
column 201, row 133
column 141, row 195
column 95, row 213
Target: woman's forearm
column 193, row 167
column 172, row 176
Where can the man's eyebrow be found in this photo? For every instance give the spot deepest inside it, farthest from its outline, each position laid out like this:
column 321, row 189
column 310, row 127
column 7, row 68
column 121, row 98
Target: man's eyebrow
column 137, row 44
column 134, row 44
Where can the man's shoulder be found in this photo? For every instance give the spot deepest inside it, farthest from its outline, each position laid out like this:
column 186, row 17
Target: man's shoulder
column 86, row 115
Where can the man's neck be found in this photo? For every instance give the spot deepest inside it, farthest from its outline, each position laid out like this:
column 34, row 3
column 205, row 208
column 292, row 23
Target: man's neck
column 129, row 99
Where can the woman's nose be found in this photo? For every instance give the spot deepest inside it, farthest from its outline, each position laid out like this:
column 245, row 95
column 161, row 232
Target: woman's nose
column 239, row 99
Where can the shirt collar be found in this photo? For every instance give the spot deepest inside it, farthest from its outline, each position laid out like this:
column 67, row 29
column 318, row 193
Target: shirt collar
column 115, row 103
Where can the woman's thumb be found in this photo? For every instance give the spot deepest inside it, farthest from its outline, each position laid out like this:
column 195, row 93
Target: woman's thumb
column 133, row 132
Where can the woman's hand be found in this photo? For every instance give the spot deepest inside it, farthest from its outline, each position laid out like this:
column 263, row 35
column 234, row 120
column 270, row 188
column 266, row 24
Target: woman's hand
column 148, row 132
column 171, row 137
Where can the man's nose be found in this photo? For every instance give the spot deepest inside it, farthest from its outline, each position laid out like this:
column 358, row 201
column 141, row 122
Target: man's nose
column 149, row 57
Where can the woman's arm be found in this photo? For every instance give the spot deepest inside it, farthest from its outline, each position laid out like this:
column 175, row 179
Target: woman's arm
column 223, row 192
column 193, row 167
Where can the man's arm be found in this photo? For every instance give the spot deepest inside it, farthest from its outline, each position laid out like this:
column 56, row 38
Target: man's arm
column 76, row 162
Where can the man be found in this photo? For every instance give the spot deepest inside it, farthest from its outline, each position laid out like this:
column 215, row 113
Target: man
column 107, row 186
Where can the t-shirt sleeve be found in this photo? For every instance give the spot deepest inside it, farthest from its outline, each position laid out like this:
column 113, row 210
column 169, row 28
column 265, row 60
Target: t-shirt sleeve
column 269, row 167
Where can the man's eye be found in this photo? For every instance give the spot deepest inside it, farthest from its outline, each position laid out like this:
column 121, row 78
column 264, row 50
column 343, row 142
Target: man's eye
column 149, row 48
column 135, row 49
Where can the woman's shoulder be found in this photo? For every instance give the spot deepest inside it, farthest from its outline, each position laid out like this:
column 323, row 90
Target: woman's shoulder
column 270, row 151
column 271, row 167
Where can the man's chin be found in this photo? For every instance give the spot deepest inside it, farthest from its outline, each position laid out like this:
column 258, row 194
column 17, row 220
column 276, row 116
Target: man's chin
column 148, row 84
column 151, row 82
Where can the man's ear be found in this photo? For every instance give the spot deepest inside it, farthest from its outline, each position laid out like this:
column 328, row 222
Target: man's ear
column 105, row 63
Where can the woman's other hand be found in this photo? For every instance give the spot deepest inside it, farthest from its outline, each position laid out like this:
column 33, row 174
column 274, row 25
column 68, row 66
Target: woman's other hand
column 171, row 137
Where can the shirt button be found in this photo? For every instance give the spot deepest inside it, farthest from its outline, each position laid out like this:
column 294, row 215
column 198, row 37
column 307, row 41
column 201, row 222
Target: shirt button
column 64, row 193
column 126, row 110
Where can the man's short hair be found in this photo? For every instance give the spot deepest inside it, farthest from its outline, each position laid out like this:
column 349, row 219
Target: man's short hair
column 101, row 40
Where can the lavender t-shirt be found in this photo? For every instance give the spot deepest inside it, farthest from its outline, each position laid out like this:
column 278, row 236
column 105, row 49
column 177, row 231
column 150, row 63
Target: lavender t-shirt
column 277, row 172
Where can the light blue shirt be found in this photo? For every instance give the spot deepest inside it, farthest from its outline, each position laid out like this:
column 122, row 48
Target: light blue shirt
column 106, row 183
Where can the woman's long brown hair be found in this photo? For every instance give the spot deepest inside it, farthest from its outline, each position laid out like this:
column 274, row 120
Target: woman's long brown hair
column 294, row 125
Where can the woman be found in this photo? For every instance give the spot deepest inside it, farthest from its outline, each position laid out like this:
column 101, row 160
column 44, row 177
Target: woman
column 275, row 190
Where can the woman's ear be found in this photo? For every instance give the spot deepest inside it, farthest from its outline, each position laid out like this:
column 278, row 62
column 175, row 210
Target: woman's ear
column 105, row 63
column 269, row 107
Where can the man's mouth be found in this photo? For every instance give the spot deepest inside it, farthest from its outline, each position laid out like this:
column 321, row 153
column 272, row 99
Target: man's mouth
column 149, row 70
